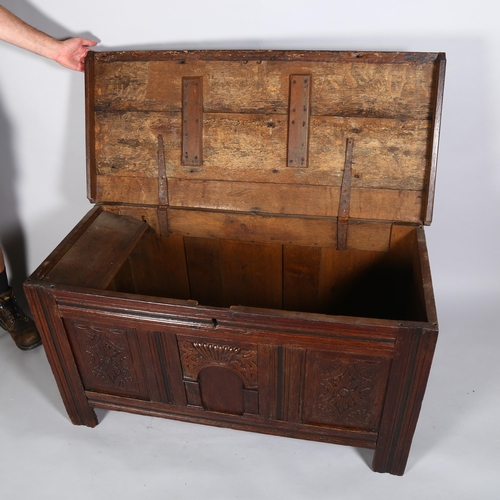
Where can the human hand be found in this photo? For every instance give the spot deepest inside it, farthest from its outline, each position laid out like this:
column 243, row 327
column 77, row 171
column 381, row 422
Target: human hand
column 72, row 52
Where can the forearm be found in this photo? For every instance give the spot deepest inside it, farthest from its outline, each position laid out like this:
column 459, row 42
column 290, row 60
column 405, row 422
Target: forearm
column 69, row 53
column 15, row 31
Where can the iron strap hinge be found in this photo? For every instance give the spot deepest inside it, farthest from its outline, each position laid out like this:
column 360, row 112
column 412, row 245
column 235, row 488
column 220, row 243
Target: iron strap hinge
column 162, row 189
column 345, row 198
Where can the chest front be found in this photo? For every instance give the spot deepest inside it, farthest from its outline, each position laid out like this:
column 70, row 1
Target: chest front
column 256, row 257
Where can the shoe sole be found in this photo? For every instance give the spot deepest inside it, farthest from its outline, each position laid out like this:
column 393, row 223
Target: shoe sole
column 29, row 348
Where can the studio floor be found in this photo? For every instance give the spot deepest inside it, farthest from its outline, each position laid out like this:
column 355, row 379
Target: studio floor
column 455, row 452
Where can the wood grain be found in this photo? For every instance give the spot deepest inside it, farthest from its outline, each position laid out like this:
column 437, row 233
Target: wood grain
column 363, row 235
column 205, row 273
column 343, row 88
column 389, row 153
column 98, row 253
column 386, row 101
column 252, row 274
column 301, row 277
column 159, row 267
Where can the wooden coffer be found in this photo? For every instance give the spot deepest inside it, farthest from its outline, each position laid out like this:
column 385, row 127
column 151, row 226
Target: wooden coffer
column 256, row 257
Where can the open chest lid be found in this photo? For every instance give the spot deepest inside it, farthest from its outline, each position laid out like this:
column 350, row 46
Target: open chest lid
column 314, row 134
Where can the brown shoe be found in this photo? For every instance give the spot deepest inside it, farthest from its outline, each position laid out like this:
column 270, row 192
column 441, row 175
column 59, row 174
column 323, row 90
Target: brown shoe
column 21, row 328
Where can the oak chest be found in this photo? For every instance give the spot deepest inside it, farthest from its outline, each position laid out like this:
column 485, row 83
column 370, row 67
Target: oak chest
column 256, row 257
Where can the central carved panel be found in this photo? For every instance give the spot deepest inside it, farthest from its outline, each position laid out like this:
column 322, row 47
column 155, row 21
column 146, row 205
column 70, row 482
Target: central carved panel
column 198, row 355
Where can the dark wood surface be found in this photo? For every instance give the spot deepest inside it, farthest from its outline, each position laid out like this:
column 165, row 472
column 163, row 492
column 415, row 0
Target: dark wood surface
column 219, row 281
column 339, row 379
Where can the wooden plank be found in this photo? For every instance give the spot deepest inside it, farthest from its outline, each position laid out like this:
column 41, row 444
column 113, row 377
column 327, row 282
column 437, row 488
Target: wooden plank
column 386, row 204
column 251, row 274
column 192, row 121
column 401, row 244
column 352, row 437
column 439, row 92
column 246, row 227
column 388, row 154
column 319, row 201
column 255, row 197
column 249, row 147
column 127, row 144
column 371, row 236
column 204, row 269
column 343, row 88
column 363, row 235
column 159, row 267
column 372, row 284
column 402, row 237
column 123, row 280
column 149, row 215
column 153, row 367
column 54, row 257
column 171, row 367
column 269, row 386
column 130, row 190
column 340, row 270
column 301, row 277
column 99, row 252
column 90, row 131
column 298, row 120
column 244, row 56
column 293, row 366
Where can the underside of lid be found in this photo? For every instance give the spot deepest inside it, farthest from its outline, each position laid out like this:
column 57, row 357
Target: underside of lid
column 313, row 134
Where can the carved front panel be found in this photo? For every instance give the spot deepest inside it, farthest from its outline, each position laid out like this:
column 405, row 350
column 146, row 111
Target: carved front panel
column 105, row 359
column 220, row 377
column 195, row 356
column 344, row 391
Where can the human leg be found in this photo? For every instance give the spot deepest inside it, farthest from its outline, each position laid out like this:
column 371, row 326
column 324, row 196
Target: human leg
column 12, row 318
column 4, row 284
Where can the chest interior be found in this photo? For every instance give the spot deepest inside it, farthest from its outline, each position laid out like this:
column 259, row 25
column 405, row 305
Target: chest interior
column 288, row 181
